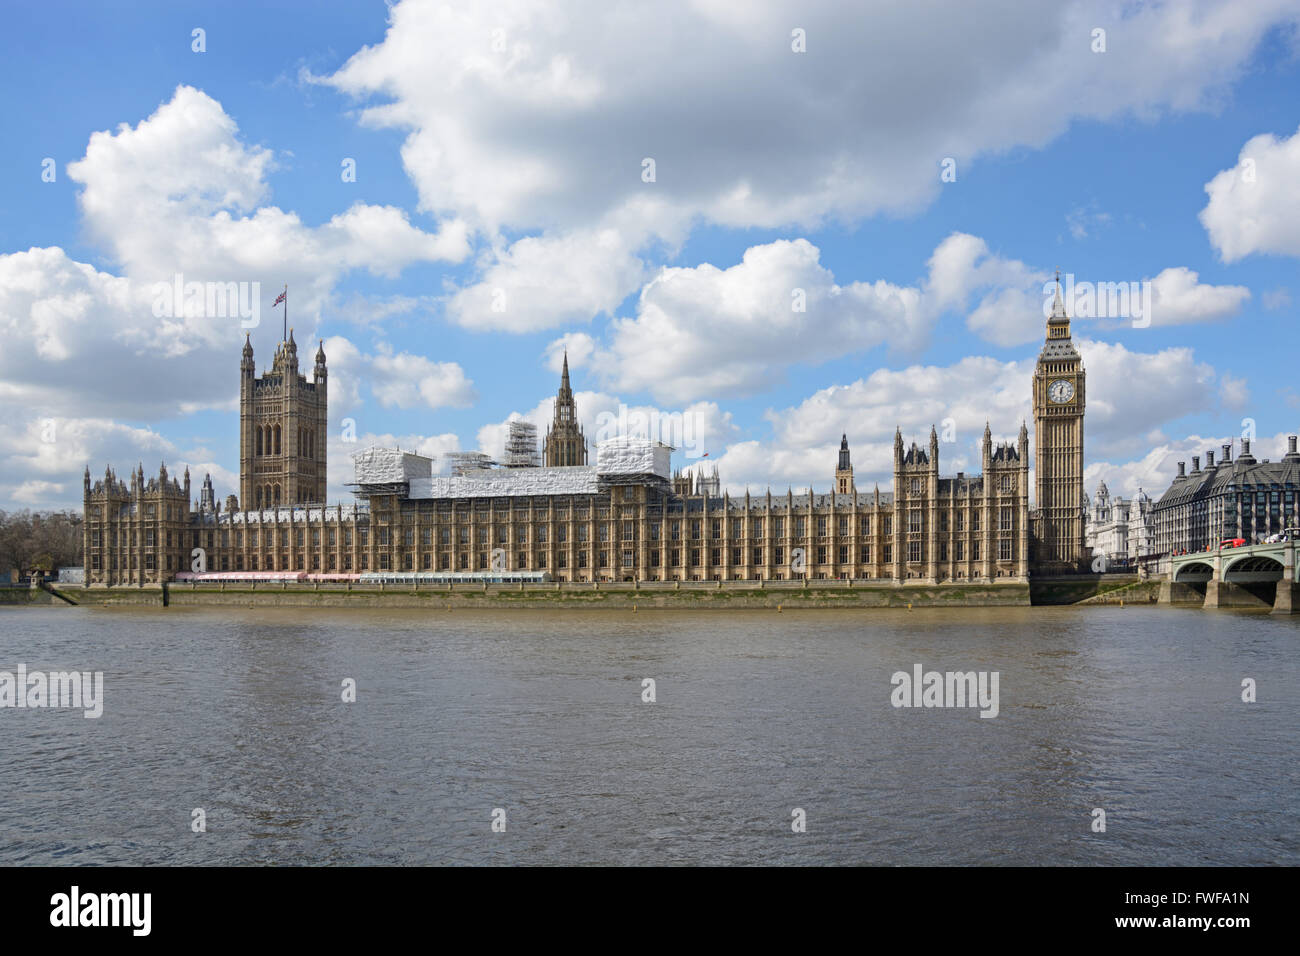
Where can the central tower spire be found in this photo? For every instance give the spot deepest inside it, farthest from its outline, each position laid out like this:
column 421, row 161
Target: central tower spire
column 565, row 444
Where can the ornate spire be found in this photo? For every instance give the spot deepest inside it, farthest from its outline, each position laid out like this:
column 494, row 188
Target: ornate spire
column 565, row 443
column 1058, row 304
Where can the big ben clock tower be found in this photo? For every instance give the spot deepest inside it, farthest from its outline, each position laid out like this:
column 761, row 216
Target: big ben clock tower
column 1058, row 449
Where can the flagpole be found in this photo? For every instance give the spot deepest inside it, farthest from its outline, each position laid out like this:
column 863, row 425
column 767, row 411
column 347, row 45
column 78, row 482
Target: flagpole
column 286, row 313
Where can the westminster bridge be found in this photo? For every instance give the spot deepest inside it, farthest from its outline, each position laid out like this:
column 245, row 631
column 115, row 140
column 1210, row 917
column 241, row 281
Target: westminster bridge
column 1256, row 575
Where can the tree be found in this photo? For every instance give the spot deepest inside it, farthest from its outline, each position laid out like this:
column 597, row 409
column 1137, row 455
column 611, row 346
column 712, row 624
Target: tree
column 50, row 539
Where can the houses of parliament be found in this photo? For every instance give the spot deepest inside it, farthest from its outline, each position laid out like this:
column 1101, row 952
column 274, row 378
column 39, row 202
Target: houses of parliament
column 624, row 518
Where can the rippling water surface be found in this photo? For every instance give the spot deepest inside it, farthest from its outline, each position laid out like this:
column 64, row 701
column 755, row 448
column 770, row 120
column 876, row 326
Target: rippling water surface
column 1135, row 710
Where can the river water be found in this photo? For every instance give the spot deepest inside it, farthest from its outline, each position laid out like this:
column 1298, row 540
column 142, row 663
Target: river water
column 1135, row 711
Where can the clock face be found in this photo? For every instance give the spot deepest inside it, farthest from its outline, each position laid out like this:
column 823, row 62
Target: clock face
column 1060, row 391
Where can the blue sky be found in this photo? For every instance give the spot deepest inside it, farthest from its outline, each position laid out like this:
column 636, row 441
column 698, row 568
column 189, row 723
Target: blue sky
column 500, row 146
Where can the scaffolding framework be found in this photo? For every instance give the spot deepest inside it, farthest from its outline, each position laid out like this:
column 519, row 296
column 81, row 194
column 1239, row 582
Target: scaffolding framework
column 521, row 446
column 463, row 462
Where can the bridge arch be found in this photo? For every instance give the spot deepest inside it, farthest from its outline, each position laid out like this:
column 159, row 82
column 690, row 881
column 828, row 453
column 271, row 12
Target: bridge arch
column 1194, row 572
column 1253, row 569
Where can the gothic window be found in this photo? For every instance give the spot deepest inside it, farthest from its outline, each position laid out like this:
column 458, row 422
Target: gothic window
column 277, row 451
column 258, row 429
column 277, row 448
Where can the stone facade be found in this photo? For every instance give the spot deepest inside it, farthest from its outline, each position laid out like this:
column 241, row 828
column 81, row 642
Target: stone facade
column 1241, row 498
column 283, row 430
column 1121, row 530
column 136, row 533
column 1058, row 449
column 928, row 529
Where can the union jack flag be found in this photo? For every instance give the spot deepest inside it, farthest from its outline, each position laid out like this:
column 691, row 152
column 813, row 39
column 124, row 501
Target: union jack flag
column 279, row 298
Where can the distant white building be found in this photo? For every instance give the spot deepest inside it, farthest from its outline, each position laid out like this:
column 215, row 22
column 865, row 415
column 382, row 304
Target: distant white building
column 1121, row 530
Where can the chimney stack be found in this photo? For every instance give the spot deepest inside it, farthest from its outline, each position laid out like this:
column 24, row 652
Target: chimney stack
column 1209, row 460
column 1245, row 446
column 1182, row 465
column 1290, row 444
column 1227, row 454
column 1196, row 464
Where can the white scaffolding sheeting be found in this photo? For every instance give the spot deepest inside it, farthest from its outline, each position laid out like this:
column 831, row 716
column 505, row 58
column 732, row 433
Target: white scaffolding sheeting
column 385, row 466
column 575, row 480
column 632, row 456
